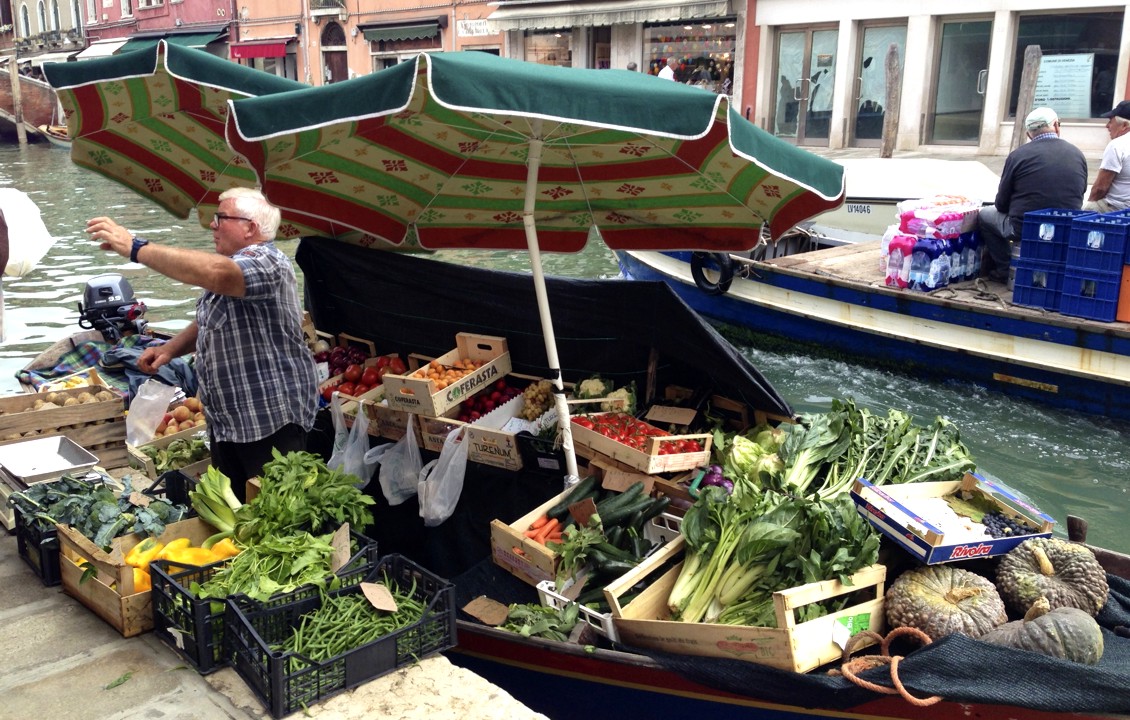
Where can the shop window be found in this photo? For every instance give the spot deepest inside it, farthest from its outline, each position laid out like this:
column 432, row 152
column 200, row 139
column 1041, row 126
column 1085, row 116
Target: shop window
column 1080, row 59
column 552, row 48
column 704, row 50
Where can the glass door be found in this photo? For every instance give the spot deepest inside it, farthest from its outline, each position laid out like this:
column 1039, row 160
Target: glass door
column 959, row 89
column 871, row 83
column 806, row 70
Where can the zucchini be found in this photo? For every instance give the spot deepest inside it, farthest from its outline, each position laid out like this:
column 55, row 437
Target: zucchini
column 618, row 515
column 628, row 496
column 575, row 495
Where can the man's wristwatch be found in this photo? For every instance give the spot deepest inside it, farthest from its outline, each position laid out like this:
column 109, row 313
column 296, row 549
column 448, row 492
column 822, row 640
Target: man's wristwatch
column 138, row 243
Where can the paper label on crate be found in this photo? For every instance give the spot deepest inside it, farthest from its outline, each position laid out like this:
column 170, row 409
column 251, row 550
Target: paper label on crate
column 322, row 372
column 675, row 415
column 340, row 543
column 139, row 499
column 572, row 590
column 379, row 596
column 491, row 612
column 620, row 480
column 845, row 627
column 582, row 511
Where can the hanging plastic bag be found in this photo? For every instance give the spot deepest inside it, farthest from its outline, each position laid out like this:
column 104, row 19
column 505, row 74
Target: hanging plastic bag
column 28, row 239
column 351, row 446
column 441, row 481
column 400, row 468
column 147, row 410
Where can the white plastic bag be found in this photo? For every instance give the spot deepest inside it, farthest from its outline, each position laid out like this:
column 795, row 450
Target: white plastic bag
column 147, row 410
column 400, row 468
column 351, row 446
column 441, row 481
column 28, row 239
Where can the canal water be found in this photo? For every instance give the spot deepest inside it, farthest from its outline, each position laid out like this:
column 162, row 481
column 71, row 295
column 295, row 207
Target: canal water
column 1063, row 462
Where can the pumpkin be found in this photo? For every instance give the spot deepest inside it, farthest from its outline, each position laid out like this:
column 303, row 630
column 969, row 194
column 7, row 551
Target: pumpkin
column 1066, row 633
column 941, row 600
column 1065, row 573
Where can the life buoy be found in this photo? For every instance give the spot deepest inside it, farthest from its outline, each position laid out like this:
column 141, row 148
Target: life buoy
column 712, row 272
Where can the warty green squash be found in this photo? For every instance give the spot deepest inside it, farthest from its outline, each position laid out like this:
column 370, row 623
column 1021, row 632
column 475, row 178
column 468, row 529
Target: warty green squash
column 940, row 600
column 1066, row 633
column 1065, row 573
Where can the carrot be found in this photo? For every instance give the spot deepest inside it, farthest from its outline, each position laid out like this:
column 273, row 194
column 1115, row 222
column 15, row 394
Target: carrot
column 554, row 537
column 539, row 522
column 532, row 533
column 546, row 529
column 518, row 551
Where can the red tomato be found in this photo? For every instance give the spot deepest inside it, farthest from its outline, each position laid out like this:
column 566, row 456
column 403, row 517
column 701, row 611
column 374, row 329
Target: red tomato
column 383, row 361
column 397, row 366
column 327, row 393
column 370, row 376
column 386, row 370
column 347, row 388
column 361, row 388
column 352, row 373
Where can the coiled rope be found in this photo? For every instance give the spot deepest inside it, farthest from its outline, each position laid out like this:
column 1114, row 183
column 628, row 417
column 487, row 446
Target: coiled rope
column 853, row 666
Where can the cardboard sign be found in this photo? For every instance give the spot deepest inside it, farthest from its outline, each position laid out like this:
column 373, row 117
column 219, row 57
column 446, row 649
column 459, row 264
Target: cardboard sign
column 673, row 415
column 620, row 480
column 379, row 596
column 490, row 612
column 140, row 499
column 340, row 543
column 582, row 511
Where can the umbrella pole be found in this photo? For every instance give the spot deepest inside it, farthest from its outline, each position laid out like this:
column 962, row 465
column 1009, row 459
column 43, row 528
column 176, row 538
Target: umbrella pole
column 533, row 164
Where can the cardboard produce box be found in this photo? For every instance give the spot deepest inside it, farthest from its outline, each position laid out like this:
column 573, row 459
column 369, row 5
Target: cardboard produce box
column 110, row 591
column 99, row 427
column 421, row 396
column 646, row 621
column 899, row 513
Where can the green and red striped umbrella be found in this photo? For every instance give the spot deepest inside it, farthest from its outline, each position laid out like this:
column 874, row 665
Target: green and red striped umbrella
column 436, row 152
column 153, row 120
column 470, row 150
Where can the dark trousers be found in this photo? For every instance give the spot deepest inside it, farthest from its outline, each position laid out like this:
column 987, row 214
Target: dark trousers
column 243, row 461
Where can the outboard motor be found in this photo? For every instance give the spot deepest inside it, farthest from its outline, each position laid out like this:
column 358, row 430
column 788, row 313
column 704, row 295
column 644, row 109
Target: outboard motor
column 109, row 307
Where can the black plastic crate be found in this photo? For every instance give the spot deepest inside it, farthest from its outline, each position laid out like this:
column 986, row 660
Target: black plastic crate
column 540, row 454
column 253, row 632
column 195, row 627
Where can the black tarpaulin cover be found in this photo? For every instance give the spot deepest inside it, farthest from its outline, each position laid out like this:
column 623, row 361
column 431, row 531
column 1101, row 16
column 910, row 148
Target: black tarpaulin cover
column 414, row 304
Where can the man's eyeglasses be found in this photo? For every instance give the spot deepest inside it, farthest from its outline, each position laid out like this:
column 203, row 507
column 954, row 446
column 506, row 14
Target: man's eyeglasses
column 220, row 217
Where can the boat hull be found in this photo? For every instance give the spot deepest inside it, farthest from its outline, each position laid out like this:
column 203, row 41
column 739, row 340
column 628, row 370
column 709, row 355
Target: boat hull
column 1047, row 358
column 565, row 682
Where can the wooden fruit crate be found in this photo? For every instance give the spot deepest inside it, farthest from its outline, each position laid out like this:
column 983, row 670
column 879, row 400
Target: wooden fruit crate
column 110, row 592
column 649, row 461
column 523, row 558
column 99, row 427
column 420, row 396
column 646, row 621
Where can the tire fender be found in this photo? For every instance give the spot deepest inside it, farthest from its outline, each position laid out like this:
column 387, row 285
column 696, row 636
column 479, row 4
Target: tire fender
column 719, row 265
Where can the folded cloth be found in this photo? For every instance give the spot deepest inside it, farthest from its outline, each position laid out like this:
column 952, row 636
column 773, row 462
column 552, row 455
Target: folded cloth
column 177, row 372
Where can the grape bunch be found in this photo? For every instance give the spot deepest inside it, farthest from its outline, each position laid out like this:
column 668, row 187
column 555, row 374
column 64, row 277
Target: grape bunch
column 538, row 397
column 1000, row 525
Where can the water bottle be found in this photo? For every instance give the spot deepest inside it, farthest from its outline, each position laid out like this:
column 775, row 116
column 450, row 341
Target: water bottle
column 957, row 258
column 972, row 263
column 885, row 248
column 939, row 275
column 925, row 271
column 898, row 261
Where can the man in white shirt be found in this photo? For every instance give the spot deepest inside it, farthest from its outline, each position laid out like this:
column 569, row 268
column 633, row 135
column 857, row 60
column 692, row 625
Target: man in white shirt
column 668, row 73
column 1111, row 189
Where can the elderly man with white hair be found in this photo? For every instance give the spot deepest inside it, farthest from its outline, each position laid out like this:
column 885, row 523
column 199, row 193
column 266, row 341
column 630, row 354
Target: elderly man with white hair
column 1045, row 172
column 1111, row 189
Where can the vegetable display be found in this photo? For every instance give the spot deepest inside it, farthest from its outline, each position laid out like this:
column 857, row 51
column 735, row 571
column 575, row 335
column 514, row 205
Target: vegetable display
column 94, row 509
column 272, row 565
column 625, row 429
column 176, row 454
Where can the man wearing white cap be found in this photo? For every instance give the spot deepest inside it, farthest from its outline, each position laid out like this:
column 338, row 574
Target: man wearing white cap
column 1046, row 172
column 1111, row 189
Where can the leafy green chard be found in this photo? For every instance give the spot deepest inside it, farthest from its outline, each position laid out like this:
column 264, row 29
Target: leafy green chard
column 276, row 564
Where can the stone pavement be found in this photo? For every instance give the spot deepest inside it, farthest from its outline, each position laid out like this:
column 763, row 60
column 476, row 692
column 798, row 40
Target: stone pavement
column 993, row 162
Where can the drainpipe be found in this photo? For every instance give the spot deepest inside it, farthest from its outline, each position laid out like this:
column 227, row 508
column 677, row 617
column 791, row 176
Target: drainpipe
column 306, row 38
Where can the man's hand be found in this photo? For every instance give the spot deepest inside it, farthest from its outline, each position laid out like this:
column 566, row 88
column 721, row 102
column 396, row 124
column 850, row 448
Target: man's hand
column 110, row 235
column 153, row 357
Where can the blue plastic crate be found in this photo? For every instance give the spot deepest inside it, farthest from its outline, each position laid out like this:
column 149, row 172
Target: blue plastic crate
column 1037, row 284
column 1098, row 242
column 1090, row 294
column 1045, row 233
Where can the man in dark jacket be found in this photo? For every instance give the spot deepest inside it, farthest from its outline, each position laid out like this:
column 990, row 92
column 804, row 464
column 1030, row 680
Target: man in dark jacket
column 1046, row 172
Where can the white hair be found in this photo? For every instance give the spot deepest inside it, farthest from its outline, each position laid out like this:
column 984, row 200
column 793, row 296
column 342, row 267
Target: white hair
column 252, row 204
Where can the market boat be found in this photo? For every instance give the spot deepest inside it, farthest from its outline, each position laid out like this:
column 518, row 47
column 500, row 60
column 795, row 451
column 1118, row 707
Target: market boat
column 832, row 295
column 56, row 135
column 616, row 328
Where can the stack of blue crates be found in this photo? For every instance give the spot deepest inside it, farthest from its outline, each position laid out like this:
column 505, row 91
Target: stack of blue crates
column 1096, row 252
column 1041, row 267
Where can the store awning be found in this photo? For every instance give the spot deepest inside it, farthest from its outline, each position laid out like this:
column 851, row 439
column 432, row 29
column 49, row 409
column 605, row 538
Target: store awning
column 192, row 40
column 101, row 48
column 558, row 15
column 273, row 48
column 407, row 31
column 38, row 60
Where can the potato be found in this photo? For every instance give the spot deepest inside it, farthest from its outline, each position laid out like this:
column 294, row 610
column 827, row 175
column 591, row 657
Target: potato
column 46, row 406
column 86, row 398
column 54, row 397
column 104, row 395
column 70, row 401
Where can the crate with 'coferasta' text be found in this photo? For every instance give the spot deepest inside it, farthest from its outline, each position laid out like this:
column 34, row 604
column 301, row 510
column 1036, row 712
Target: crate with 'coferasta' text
column 417, row 393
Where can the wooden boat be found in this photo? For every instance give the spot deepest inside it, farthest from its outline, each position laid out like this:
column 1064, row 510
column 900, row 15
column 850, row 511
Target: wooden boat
column 835, row 297
column 56, row 135
column 613, row 326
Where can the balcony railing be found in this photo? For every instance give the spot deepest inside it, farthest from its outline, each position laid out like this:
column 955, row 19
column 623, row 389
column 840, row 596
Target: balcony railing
column 334, row 5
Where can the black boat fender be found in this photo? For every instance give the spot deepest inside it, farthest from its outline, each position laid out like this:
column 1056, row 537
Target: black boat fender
column 705, row 265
